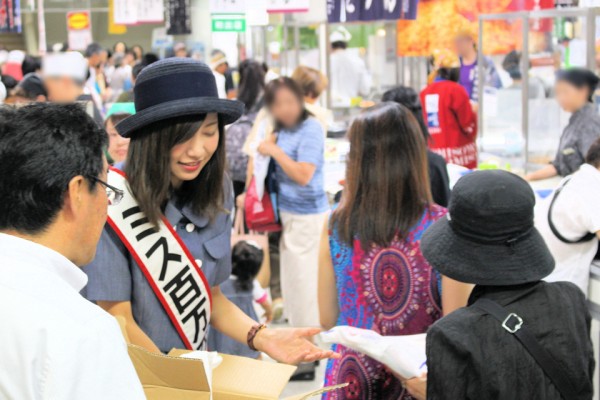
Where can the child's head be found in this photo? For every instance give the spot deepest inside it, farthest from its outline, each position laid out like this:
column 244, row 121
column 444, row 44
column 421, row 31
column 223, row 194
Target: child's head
column 246, row 259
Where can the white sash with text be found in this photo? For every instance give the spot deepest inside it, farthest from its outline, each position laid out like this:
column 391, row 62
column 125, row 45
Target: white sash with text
column 172, row 272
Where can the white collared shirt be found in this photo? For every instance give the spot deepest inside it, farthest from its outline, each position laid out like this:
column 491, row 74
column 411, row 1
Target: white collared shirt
column 54, row 344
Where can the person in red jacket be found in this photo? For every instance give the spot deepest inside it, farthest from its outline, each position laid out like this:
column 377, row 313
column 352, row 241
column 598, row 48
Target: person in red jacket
column 449, row 114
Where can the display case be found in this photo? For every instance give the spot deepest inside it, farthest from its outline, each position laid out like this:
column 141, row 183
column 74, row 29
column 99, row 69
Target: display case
column 520, row 123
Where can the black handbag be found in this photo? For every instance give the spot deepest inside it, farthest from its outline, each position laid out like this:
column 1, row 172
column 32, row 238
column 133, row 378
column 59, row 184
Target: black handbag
column 586, row 238
column 514, row 325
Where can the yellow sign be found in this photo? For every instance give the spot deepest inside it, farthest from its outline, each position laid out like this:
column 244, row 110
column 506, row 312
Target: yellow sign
column 78, row 20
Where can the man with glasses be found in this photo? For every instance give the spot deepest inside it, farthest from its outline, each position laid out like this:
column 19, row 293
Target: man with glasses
column 55, row 344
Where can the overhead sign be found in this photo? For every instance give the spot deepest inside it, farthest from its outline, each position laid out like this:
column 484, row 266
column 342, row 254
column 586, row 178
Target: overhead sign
column 287, row 6
column 79, row 29
column 370, row 10
column 228, row 6
column 228, row 23
column 135, row 12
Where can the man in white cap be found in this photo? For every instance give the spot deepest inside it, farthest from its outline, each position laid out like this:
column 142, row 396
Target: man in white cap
column 65, row 75
column 349, row 75
column 218, row 64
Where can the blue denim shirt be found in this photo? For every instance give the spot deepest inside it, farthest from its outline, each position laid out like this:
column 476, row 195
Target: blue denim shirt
column 115, row 276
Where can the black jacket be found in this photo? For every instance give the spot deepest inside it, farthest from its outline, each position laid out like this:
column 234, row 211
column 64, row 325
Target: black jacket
column 470, row 356
column 439, row 180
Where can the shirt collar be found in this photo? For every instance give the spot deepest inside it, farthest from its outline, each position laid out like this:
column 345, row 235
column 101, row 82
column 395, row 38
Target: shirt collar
column 175, row 215
column 38, row 256
column 503, row 295
column 587, row 109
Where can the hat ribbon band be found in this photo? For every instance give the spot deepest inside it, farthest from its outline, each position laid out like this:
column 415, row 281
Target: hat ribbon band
column 510, row 241
column 176, row 86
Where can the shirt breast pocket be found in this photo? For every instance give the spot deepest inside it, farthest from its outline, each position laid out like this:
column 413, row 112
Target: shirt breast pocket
column 219, row 246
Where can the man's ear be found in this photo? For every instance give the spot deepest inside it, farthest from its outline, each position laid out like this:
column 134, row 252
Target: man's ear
column 75, row 196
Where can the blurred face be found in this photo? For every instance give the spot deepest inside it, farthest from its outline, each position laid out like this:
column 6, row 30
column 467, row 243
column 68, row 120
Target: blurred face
column 117, row 145
column 464, row 46
column 181, row 53
column 569, row 97
column 286, row 108
column 221, row 69
column 138, row 52
column 94, row 205
column 120, row 47
column 188, row 158
column 61, row 89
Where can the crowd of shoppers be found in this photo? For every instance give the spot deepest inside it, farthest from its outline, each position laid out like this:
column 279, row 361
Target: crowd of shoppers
column 400, row 254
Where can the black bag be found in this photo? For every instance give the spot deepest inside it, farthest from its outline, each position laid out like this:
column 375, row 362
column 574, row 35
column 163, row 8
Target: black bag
column 586, row 238
column 515, row 325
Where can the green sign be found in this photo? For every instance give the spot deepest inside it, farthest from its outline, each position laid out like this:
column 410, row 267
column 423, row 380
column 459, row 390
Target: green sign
column 228, row 23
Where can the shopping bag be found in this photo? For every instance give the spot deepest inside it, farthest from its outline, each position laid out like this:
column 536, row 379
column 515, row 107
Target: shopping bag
column 260, row 212
column 261, row 239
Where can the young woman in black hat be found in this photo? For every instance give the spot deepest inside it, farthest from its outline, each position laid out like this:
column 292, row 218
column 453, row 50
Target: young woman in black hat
column 166, row 247
column 575, row 94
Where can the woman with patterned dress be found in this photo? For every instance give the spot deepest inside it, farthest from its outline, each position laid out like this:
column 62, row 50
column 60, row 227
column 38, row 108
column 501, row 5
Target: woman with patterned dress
column 372, row 273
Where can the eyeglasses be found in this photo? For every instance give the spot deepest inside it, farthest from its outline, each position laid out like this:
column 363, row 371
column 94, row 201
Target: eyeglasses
column 114, row 195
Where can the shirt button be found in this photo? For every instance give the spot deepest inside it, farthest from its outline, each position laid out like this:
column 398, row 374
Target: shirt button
column 199, row 262
column 190, row 227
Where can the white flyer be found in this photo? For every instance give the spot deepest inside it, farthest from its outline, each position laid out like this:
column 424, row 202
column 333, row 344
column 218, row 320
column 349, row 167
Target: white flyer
column 405, row 355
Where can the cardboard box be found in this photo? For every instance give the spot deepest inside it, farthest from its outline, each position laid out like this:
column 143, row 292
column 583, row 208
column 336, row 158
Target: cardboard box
column 237, row 378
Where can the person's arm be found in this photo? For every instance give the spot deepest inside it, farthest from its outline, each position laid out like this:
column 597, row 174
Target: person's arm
column 135, row 333
column 455, row 294
column 328, row 297
column 463, row 110
column 300, row 172
column 286, row 345
column 547, row 172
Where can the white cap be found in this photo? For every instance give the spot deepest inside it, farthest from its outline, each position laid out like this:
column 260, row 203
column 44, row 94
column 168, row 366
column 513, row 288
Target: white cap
column 2, row 93
column 16, row 56
column 70, row 64
column 3, row 56
column 341, row 34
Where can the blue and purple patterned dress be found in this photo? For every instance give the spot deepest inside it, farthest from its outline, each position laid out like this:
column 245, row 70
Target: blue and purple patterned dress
column 393, row 291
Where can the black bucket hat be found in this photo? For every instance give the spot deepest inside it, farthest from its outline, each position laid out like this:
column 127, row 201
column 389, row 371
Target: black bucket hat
column 176, row 87
column 488, row 237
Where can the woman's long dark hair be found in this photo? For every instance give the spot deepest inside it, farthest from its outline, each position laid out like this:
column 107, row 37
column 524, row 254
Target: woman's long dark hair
column 387, row 183
column 252, row 83
column 148, row 169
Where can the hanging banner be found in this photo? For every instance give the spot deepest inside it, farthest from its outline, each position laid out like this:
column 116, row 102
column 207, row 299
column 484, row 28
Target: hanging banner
column 150, row 12
column 10, row 16
column 370, row 10
column 125, row 12
column 228, row 6
column 178, row 17
column 343, row 10
column 287, row 6
column 135, row 12
column 79, row 29
column 114, row 29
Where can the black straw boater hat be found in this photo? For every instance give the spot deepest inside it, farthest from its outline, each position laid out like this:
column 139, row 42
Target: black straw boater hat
column 488, row 237
column 177, row 87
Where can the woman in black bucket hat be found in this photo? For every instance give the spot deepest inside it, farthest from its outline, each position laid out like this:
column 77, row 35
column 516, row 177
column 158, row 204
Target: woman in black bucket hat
column 519, row 337
column 166, row 247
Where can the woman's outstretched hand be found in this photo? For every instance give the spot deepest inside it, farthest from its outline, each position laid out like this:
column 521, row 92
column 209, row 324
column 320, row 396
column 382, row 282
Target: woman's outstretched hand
column 291, row 345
